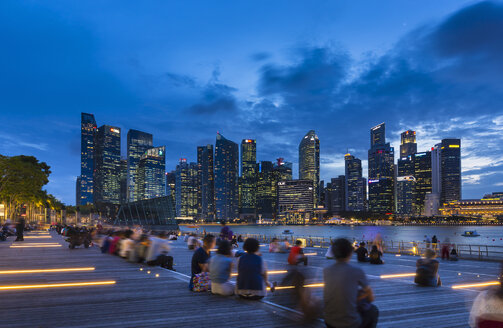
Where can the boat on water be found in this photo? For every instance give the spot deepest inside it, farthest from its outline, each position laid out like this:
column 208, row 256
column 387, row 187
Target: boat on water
column 470, row 233
column 287, row 232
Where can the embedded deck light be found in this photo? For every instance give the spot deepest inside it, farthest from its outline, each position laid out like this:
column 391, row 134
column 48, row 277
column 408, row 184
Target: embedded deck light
column 482, row 284
column 46, row 270
column 399, row 275
column 70, row 284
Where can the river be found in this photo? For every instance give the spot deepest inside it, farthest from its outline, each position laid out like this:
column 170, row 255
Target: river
column 489, row 235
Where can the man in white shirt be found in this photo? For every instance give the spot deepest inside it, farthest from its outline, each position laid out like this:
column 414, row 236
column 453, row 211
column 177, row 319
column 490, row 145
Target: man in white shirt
column 157, row 252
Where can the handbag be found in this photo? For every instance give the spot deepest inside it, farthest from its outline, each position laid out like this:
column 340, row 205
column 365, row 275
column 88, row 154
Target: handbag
column 202, row 282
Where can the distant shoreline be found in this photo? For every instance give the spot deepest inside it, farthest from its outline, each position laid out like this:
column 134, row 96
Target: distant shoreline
column 344, row 225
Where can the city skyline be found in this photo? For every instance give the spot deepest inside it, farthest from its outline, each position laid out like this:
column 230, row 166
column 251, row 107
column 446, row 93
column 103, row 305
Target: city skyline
column 271, row 91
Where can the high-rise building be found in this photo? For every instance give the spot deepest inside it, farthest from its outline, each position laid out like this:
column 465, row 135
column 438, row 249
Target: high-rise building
column 435, row 170
column 151, row 174
column 123, row 181
column 248, row 187
column 107, row 158
column 283, row 170
column 226, row 179
column 137, row 144
column 335, row 195
column 423, row 177
column 171, row 183
column 295, row 201
column 309, row 161
column 408, row 145
column 355, row 186
column 206, row 182
column 186, row 189
column 77, row 191
column 87, row 148
column 381, row 172
column 450, row 170
column 405, row 186
column 266, row 190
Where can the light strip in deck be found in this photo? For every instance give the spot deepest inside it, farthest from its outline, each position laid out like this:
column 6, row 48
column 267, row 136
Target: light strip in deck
column 483, row 284
column 46, row 270
column 36, row 237
column 399, row 275
column 70, row 284
column 32, row 246
column 268, row 272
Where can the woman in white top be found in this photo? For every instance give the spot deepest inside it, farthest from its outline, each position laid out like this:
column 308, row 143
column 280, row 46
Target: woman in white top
column 488, row 307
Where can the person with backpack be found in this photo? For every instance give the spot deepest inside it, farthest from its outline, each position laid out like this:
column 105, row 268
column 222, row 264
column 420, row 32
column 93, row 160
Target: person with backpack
column 427, row 270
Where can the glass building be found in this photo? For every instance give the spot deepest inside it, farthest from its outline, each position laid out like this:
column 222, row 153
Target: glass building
column 123, row 181
column 355, row 191
column 107, row 158
column 151, row 174
column 283, row 170
column 248, row 181
column 405, row 186
column 138, row 143
column 171, row 183
column 206, row 182
column 226, row 179
column 295, row 201
column 423, row 177
column 408, row 145
column 450, row 170
column 309, row 161
column 381, row 172
column 266, row 190
column 186, row 189
column 87, row 135
column 335, row 195
column 150, row 213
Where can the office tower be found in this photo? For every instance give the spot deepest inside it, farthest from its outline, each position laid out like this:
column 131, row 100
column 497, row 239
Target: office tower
column 226, row 179
column 77, row 191
column 405, row 186
column 123, row 181
column 309, row 161
column 266, row 190
column 381, row 157
column 171, row 183
column 295, row 201
column 87, row 135
column 248, row 186
column 335, row 195
column 206, row 182
column 435, row 170
column 151, row 174
column 355, row 187
column 186, row 189
column 283, row 170
column 107, row 159
column 423, row 177
column 137, row 144
column 450, row 170
column 408, row 145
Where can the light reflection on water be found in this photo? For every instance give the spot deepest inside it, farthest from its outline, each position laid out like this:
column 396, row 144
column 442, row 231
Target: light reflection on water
column 489, row 235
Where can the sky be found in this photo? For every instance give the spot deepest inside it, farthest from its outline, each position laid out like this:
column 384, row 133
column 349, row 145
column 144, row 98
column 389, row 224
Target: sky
column 267, row 70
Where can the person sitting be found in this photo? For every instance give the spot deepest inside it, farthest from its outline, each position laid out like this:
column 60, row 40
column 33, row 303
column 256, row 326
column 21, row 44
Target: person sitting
column 220, row 270
column 274, row 246
column 375, row 256
column 454, row 254
column 345, row 288
column 427, row 270
column 240, row 239
column 487, row 309
column 234, row 242
column 362, row 253
column 126, row 244
column 297, row 254
column 114, row 243
column 252, row 273
column 200, row 258
column 193, row 242
column 158, row 250
column 284, row 246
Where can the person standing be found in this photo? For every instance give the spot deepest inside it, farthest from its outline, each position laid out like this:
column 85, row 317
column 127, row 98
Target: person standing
column 20, row 230
column 445, row 248
column 427, row 241
column 225, row 231
column 200, row 258
column 346, row 288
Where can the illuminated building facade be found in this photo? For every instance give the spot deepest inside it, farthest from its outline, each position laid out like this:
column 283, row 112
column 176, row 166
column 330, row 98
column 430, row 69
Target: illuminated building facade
column 226, row 179
column 335, row 195
column 423, row 177
column 151, row 174
column 295, row 201
column 186, row 189
column 405, row 186
column 171, row 183
column 206, row 188
column 123, row 181
column 282, row 170
column 248, row 181
column 309, row 161
column 450, row 170
column 266, row 190
column 408, row 145
column 87, row 135
column 381, row 172
column 138, row 143
column 107, row 159
column 355, row 192
column 489, row 208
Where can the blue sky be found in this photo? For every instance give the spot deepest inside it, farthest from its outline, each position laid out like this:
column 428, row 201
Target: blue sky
column 270, row 70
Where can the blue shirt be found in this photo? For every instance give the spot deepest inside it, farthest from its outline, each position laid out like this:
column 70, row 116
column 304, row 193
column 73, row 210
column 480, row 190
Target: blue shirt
column 220, row 268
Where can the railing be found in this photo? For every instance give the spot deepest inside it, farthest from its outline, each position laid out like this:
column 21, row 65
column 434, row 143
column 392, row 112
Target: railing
column 464, row 251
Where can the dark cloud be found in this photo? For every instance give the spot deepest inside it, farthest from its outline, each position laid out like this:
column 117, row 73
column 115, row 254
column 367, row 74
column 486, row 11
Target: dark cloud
column 260, row 56
column 217, row 97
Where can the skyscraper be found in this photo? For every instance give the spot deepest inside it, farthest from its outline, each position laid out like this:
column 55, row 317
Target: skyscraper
column 123, row 181
column 107, row 159
column 266, row 190
column 207, row 181
column 405, row 186
column 381, row 172
column 309, row 161
column 226, row 179
column 186, row 189
column 283, row 170
column 151, row 174
column 408, row 145
column 335, row 195
column 87, row 135
column 423, row 176
column 137, row 144
column 355, row 184
column 450, row 170
column 248, row 188
column 295, row 201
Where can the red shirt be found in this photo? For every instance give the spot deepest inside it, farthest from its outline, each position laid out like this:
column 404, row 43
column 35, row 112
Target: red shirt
column 295, row 251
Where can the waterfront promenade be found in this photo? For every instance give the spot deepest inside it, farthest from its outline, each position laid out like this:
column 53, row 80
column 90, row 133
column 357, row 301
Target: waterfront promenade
column 133, row 297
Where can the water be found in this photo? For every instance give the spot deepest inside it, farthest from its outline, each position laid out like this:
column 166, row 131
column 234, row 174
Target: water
column 489, row 235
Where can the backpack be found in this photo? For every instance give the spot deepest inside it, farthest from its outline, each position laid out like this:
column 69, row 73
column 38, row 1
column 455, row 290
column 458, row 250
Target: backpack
column 202, row 282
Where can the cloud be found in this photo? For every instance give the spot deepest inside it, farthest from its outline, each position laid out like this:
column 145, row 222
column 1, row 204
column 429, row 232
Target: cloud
column 216, row 97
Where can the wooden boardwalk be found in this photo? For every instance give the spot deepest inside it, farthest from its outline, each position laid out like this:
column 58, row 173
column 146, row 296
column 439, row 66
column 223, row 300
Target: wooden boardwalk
column 140, row 299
